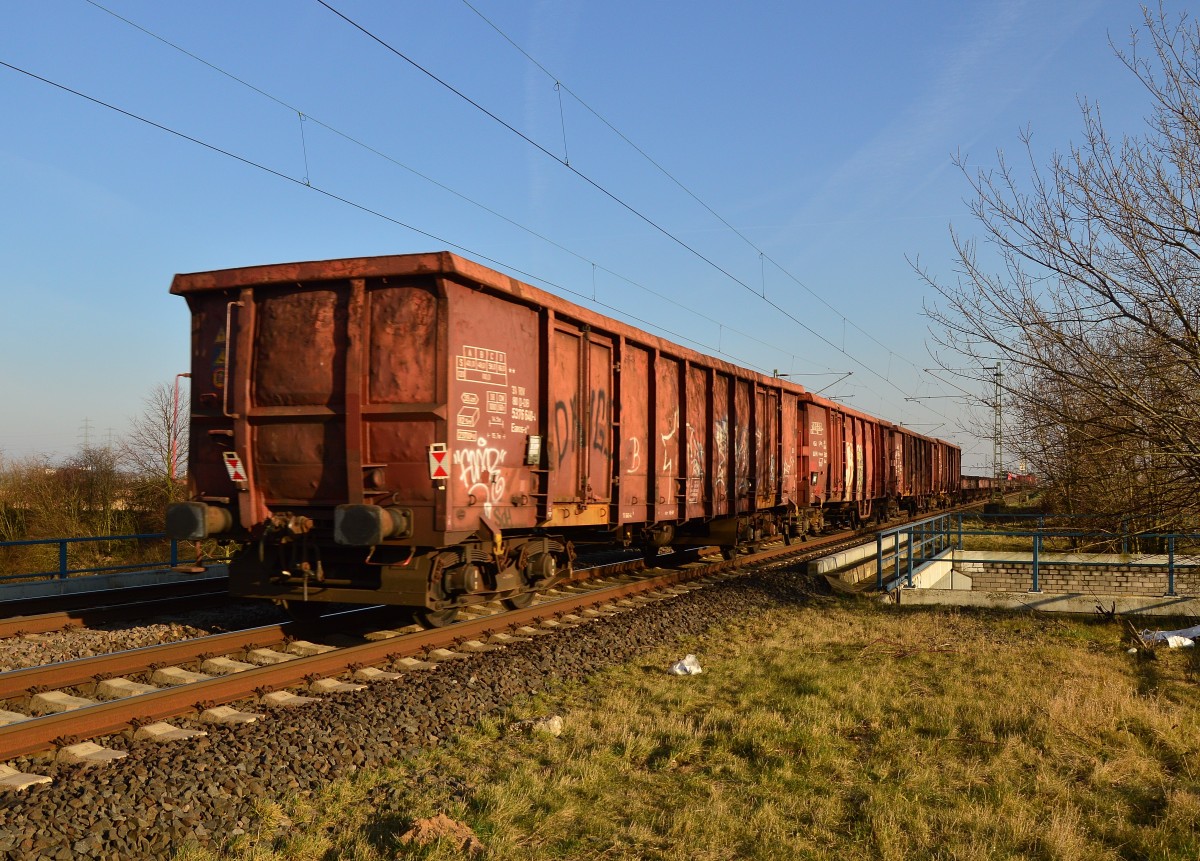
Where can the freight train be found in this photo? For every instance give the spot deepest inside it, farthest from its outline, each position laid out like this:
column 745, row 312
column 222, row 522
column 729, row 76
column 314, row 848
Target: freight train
column 976, row 487
column 423, row 431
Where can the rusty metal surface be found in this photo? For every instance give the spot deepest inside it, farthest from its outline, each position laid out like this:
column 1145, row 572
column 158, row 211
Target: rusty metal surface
column 330, row 378
column 492, row 361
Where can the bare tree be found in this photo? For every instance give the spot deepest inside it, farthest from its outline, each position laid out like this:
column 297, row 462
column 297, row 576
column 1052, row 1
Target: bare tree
column 1090, row 294
column 85, row 495
column 155, row 449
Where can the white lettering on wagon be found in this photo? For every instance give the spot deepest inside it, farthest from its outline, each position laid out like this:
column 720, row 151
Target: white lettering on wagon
column 480, row 365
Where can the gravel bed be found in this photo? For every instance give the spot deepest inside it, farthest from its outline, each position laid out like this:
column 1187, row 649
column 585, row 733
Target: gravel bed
column 148, row 805
column 35, row 650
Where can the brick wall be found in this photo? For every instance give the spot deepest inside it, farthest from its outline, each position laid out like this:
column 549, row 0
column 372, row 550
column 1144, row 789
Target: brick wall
column 1064, row 576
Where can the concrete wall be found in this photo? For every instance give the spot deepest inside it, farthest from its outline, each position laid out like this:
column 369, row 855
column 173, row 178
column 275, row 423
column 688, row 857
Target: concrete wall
column 1124, row 605
column 855, row 564
column 941, row 575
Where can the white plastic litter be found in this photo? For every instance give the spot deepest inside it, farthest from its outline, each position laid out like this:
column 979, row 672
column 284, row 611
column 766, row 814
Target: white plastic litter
column 689, row 666
column 1184, row 638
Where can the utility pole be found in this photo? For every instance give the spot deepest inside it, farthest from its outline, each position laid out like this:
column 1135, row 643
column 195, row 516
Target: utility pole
column 998, row 447
column 173, row 438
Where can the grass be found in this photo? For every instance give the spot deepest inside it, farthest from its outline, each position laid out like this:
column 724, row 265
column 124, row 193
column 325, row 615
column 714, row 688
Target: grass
column 844, row 729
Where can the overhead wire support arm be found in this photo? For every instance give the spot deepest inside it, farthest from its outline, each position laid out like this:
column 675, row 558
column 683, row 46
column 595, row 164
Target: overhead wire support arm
column 304, row 149
column 835, row 382
column 563, row 121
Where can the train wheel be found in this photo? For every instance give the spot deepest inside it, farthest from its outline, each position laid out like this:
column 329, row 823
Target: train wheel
column 438, row 618
column 519, row 601
column 728, row 551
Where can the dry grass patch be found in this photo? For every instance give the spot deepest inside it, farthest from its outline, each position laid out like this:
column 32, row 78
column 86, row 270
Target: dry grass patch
column 844, row 729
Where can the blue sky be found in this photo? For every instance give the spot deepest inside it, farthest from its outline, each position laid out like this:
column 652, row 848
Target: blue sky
column 824, row 133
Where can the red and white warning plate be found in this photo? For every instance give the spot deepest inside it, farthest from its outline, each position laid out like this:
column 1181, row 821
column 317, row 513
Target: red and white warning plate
column 233, row 465
column 438, row 461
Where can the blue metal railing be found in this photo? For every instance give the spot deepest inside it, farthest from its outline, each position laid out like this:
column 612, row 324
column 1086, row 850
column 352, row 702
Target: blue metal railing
column 915, row 545
column 918, row 543
column 64, row 569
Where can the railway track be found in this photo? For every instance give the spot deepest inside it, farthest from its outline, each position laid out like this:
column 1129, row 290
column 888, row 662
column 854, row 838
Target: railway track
column 198, row 679
column 54, row 612
column 56, row 707
column 42, row 623
column 58, row 613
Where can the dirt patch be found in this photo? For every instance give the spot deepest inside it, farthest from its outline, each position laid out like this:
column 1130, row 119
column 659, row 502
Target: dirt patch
column 442, row 827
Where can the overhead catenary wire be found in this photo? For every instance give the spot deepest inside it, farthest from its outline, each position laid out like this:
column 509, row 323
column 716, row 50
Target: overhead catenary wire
column 621, row 202
column 561, row 87
column 306, row 117
column 370, row 211
column 719, row 349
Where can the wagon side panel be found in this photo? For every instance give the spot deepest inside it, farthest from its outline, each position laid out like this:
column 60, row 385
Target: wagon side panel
column 815, row 454
column 491, row 407
column 722, row 446
column 789, row 448
column 669, row 415
column 742, row 429
column 697, row 444
column 766, row 485
column 632, row 431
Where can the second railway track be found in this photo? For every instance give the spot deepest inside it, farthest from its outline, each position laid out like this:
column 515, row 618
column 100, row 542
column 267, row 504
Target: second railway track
column 219, row 679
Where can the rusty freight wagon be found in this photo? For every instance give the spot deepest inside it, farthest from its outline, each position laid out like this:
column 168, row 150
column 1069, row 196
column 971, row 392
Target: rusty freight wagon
column 844, row 460
column 932, row 472
column 421, row 430
column 861, row 468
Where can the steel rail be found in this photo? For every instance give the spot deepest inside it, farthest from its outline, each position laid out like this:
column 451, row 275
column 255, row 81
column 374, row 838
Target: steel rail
column 80, row 601
column 43, row 623
column 43, row 733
